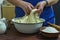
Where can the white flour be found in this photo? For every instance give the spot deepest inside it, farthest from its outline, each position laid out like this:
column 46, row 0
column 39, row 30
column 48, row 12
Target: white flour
column 50, row 30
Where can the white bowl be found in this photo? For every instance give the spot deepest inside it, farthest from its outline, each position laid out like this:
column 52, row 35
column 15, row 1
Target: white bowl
column 27, row 27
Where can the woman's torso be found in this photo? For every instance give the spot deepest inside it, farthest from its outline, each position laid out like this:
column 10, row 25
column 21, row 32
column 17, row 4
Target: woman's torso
column 46, row 14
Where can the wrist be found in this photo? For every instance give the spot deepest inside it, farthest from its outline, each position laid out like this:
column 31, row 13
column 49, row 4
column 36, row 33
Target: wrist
column 44, row 3
column 21, row 3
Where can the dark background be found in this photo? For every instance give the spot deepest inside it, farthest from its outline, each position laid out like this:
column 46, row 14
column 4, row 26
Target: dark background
column 56, row 8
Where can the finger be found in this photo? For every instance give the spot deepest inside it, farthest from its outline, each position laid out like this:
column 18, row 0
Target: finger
column 32, row 6
column 29, row 7
column 37, row 6
column 26, row 10
column 39, row 11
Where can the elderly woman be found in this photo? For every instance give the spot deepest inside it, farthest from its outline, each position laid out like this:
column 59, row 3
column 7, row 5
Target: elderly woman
column 44, row 8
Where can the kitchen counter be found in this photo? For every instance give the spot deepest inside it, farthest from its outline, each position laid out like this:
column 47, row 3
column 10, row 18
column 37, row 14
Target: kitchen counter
column 13, row 34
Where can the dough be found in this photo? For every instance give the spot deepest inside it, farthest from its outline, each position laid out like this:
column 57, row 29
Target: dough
column 32, row 18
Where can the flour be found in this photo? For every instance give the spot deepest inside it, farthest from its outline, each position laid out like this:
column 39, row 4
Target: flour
column 50, row 30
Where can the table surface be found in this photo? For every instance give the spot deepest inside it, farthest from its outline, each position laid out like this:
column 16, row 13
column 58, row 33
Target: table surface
column 13, row 34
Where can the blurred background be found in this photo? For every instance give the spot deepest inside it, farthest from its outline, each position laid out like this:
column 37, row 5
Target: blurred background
column 57, row 12
column 7, row 10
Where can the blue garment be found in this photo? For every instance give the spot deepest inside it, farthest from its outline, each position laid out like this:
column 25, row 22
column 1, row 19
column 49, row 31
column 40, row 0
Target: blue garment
column 47, row 13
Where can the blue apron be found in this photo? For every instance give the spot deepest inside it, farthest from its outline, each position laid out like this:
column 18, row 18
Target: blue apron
column 47, row 13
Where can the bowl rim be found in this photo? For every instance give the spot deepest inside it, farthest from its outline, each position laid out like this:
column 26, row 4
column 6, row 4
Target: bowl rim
column 27, row 23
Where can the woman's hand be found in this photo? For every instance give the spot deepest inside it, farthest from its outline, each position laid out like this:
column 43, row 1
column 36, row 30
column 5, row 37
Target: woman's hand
column 40, row 6
column 27, row 7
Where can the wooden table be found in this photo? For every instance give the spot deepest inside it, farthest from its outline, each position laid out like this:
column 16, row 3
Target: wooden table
column 13, row 34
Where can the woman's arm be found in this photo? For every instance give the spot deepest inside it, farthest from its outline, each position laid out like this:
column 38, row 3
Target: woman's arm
column 52, row 2
column 26, row 6
column 40, row 5
column 15, row 2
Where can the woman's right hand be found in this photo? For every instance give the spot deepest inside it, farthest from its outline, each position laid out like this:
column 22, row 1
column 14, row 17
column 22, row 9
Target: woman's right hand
column 26, row 6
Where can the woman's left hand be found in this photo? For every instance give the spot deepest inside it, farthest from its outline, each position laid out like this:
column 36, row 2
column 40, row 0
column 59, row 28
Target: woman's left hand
column 40, row 7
